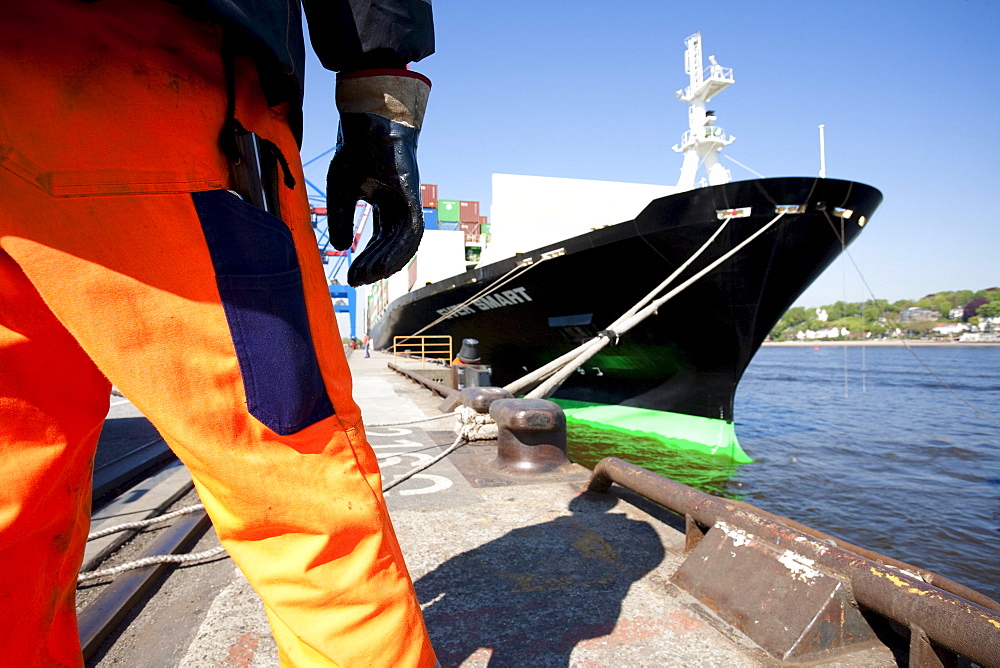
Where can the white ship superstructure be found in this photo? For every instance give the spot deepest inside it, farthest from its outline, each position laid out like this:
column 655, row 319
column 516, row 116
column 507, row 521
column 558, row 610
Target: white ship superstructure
column 703, row 140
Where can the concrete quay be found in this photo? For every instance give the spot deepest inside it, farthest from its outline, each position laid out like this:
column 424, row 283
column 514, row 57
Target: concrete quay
column 525, row 570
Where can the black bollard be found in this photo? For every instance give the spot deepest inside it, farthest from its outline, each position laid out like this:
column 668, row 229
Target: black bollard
column 480, row 398
column 469, row 352
column 474, row 422
column 532, row 435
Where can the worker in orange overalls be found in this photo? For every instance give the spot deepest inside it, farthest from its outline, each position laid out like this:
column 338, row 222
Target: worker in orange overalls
column 155, row 234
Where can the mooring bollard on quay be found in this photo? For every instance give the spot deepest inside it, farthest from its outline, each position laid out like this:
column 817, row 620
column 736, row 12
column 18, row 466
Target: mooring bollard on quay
column 531, row 435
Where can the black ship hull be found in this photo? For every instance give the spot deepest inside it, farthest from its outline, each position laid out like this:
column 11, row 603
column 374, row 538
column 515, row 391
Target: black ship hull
column 689, row 357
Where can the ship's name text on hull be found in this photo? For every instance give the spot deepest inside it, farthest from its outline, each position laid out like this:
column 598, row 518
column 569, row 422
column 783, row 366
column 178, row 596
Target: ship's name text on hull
column 496, row 300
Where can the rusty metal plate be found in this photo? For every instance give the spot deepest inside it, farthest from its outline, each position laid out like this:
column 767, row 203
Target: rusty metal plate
column 780, row 599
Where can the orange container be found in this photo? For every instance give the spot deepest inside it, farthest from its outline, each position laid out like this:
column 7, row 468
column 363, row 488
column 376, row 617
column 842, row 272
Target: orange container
column 469, row 212
column 428, row 195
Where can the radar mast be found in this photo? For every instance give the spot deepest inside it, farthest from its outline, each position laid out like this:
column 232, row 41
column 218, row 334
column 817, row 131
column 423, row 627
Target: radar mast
column 702, row 141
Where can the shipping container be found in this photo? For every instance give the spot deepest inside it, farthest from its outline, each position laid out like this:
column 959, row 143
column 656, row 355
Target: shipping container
column 447, row 224
column 430, row 219
column 411, row 273
column 471, row 231
column 469, row 212
column 428, row 195
column 448, row 211
column 483, row 220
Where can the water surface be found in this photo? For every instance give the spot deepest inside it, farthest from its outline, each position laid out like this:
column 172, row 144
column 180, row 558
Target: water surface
column 868, row 445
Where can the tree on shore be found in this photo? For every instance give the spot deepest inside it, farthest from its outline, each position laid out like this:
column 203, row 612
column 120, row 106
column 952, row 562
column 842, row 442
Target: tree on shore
column 879, row 317
column 989, row 310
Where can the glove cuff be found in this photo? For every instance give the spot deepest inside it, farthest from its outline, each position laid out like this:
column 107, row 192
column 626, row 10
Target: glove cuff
column 398, row 95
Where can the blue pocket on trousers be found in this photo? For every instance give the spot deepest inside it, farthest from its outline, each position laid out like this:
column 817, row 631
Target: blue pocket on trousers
column 261, row 288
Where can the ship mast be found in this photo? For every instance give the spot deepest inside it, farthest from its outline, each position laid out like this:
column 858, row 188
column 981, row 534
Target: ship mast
column 703, row 141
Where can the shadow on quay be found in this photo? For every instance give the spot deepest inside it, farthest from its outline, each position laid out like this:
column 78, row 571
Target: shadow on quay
column 529, row 597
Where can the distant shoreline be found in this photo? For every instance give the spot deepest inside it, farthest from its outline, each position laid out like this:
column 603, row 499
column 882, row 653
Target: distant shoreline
column 915, row 343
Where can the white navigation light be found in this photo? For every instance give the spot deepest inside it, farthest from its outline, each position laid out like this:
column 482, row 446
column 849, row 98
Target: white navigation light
column 861, row 221
column 841, row 212
column 743, row 212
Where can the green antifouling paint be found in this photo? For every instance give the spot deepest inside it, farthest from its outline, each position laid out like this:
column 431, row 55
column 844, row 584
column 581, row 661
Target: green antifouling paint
column 676, row 431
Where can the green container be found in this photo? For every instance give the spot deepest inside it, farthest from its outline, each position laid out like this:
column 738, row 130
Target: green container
column 448, row 210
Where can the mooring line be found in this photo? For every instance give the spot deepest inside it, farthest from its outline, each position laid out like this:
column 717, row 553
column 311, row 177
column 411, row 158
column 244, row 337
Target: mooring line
column 624, row 324
column 150, row 561
column 459, row 442
column 139, row 524
column 548, row 369
column 406, row 422
column 522, row 268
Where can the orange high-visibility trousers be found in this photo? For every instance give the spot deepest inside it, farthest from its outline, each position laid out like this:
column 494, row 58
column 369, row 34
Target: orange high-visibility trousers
column 124, row 259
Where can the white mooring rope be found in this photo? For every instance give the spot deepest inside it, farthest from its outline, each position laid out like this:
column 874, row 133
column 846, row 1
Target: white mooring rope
column 521, row 268
column 139, row 524
column 150, row 561
column 630, row 320
column 400, row 424
column 459, row 442
column 475, row 426
column 553, row 374
column 558, row 363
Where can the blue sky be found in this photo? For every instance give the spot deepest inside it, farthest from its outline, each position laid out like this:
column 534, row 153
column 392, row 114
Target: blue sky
column 909, row 93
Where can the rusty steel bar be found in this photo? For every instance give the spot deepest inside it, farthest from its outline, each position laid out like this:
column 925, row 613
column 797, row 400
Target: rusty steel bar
column 930, row 577
column 954, row 623
column 433, row 385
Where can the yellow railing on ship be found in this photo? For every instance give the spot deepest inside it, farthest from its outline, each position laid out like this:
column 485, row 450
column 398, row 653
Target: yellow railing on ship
column 426, row 347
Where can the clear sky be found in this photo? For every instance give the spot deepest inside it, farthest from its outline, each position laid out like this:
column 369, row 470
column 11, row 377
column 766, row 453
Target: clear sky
column 909, row 93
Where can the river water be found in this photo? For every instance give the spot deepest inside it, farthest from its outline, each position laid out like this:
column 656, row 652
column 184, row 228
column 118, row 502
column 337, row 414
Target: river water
column 881, row 446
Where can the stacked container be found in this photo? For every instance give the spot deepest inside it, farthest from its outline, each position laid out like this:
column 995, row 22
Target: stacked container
column 484, row 228
column 448, row 214
column 469, row 220
column 429, row 202
column 430, row 219
column 451, row 214
column 428, row 195
column 468, row 212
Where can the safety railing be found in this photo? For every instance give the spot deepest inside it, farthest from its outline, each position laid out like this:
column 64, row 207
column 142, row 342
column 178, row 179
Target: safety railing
column 426, row 347
column 718, row 73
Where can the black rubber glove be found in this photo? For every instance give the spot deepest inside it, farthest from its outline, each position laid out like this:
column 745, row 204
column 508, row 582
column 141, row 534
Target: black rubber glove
column 376, row 162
